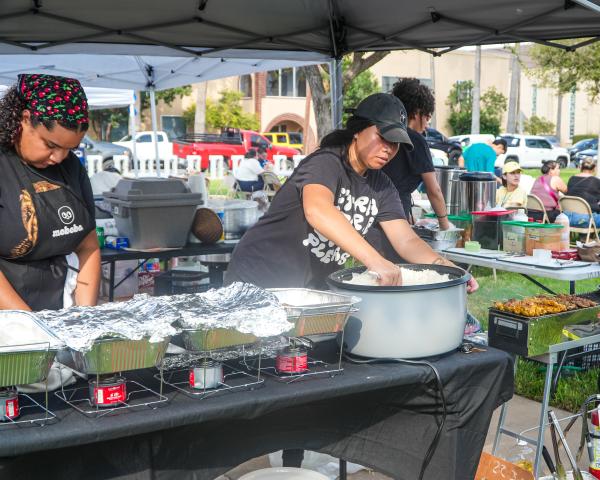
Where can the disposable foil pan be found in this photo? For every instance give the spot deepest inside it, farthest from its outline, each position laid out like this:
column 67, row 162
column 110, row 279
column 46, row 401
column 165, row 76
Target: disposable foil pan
column 202, row 340
column 27, row 363
column 112, row 355
column 315, row 312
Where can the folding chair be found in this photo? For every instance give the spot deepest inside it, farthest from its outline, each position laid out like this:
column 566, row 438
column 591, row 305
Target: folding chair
column 569, row 203
column 239, row 193
column 534, row 203
column 271, row 183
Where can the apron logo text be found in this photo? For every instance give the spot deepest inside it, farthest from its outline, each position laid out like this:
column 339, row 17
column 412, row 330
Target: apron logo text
column 66, row 215
column 67, row 231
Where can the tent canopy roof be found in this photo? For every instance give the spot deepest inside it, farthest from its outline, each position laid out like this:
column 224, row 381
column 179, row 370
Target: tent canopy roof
column 135, row 72
column 329, row 27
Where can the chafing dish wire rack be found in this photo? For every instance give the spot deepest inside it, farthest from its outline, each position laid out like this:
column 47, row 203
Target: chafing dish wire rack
column 20, row 365
column 207, row 378
column 292, row 363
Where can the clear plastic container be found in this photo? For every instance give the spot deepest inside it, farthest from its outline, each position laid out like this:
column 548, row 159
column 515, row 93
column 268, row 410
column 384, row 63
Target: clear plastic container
column 513, row 236
column 546, row 236
column 459, row 221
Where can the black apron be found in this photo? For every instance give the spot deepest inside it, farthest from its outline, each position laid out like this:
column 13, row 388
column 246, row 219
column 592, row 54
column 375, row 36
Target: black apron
column 58, row 220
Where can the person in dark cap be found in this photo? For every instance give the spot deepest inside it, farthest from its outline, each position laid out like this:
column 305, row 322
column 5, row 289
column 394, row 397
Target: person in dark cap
column 47, row 204
column 319, row 217
column 262, row 157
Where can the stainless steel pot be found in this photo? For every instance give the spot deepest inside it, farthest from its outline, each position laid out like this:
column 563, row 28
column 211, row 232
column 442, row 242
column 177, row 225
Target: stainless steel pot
column 447, row 178
column 477, row 191
column 405, row 322
column 238, row 216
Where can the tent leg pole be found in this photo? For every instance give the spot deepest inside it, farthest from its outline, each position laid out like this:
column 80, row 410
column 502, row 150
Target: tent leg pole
column 154, row 130
column 136, row 163
column 337, row 101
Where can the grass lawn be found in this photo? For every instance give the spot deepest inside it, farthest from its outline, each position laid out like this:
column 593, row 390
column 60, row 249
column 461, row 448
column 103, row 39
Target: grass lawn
column 574, row 386
column 565, row 174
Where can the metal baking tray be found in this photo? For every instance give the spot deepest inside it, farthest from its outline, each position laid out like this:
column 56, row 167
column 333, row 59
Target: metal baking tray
column 315, row 312
column 112, row 355
column 203, row 340
column 27, row 363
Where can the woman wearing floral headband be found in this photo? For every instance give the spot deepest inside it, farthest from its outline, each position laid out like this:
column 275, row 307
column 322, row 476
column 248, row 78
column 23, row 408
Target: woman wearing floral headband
column 46, row 202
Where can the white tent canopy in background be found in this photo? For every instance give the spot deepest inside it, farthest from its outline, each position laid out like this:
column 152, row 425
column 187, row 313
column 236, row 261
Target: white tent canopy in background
column 149, row 73
column 100, row 97
column 141, row 72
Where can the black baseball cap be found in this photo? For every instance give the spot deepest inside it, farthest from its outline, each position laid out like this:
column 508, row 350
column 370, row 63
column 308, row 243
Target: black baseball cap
column 387, row 112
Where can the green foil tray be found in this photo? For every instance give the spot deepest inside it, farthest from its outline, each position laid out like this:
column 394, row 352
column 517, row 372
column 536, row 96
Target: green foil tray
column 117, row 355
column 23, row 367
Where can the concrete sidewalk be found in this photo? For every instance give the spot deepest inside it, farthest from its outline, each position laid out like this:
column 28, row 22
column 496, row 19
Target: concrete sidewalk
column 523, row 414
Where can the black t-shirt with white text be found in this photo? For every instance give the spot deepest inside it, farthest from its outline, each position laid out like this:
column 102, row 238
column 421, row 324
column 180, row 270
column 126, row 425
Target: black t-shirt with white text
column 284, row 250
column 406, row 168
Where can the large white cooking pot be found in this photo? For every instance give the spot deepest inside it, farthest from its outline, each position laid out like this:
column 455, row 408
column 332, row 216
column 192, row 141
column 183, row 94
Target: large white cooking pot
column 405, row 322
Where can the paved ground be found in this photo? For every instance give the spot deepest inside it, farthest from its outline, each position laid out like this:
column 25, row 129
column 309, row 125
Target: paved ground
column 522, row 414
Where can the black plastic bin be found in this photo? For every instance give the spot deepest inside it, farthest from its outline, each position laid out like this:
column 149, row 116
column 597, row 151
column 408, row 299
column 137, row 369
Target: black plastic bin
column 181, row 281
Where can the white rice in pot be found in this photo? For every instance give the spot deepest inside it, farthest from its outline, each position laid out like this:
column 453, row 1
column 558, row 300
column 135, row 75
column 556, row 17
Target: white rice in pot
column 409, row 277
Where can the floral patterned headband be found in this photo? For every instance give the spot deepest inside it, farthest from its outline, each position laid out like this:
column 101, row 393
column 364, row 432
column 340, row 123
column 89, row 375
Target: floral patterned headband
column 49, row 97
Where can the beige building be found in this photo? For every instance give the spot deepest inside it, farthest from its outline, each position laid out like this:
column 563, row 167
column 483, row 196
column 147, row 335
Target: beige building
column 279, row 98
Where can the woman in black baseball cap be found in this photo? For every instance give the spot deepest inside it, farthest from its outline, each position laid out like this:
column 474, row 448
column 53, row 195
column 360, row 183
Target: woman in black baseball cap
column 319, row 217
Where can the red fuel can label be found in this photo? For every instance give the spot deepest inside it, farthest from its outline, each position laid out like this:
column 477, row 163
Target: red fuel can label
column 11, row 408
column 296, row 363
column 110, row 395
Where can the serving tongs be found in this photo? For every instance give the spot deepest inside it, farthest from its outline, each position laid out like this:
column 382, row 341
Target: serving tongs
column 560, row 469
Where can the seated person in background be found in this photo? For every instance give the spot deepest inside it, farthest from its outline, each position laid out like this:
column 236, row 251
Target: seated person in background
column 248, row 173
column 481, row 157
column 510, row 195
column 587, row 186
column 547, row 187
column 262, row 157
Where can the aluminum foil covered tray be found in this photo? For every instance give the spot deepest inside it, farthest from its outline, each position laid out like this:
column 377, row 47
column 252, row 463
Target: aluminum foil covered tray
column 238, row 314
column 315, row 312
column 113, row 337
column 27, row 348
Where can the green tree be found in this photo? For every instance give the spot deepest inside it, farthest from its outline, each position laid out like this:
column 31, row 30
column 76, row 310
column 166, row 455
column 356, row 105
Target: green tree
column 535, row 125
column 228, row 112
column 318, row 78
column 460, row 101
column 167, row 96
column 103, row 121
column 361, row 86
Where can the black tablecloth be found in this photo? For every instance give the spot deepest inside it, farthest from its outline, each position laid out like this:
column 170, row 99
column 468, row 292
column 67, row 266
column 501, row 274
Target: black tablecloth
column 191, row 249
column 379, row 415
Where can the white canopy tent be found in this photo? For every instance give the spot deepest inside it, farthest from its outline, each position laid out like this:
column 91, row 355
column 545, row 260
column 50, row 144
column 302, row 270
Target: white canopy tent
column 149, row 73
column 99, row 98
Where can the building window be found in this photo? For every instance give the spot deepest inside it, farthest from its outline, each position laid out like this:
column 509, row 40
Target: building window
column 246, row 85
column 387, row 83
column 287, row 82
column 273, row 83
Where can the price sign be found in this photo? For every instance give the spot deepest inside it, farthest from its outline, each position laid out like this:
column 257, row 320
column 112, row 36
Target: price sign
column 494, row 468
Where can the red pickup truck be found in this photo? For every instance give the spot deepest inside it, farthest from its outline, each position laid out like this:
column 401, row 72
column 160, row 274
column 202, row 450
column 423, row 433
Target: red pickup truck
column 231, row 141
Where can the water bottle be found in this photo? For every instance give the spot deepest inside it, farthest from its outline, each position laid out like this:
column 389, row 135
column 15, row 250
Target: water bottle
column 565, row 234
column 520, row 216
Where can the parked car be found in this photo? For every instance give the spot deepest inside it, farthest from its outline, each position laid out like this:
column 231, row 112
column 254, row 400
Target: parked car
column 107, row 150
column 231, row 141
column 439, row 157
column 471, row 138
column 285, row 139
column 437, row 140
column 589, row 153
column 580, row 146
column 532, row 151
column 144, row 145
column 553, row 139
